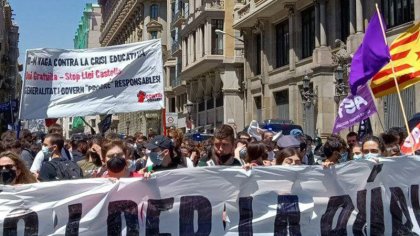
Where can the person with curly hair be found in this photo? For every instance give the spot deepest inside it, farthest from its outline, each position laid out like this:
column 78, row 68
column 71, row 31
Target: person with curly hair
column 13, row 170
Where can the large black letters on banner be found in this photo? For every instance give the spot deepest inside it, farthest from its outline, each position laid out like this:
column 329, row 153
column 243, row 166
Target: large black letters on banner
column 375, row 171
column 75, row 214
column 415, row 201
column 288, row 214
column 189, row 204
column 335, row 203
column 360, row 222
column 155, row 206
column 377, row 226
column 114, row 221
column 29, row 217
column 245, row 216
column 398, row 208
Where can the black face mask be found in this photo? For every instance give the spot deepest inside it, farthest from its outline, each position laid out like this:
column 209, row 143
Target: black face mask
column 116, row 164
column 7, row 176
column 225, row 158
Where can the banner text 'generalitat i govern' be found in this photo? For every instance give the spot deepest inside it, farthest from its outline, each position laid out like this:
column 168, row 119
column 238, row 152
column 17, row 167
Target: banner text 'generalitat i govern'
column 80, row 82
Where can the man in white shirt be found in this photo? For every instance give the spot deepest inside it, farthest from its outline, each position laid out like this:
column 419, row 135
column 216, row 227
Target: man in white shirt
column 40, row 156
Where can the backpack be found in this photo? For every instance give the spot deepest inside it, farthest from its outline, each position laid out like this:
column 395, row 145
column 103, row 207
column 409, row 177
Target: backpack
column 66, row 169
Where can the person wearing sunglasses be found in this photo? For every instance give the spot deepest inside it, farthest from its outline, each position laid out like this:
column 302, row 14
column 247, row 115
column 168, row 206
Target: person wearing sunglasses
column 13, row 170
column 372, row 148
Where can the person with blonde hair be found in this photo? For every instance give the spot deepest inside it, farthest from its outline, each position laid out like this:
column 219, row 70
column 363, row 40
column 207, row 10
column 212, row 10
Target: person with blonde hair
column 13, row 170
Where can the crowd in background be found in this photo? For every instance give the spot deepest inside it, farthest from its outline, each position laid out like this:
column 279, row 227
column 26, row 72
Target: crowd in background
column 37, row 157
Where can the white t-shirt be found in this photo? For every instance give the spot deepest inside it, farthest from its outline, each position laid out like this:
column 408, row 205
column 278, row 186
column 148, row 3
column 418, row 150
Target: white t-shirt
column 39, row 159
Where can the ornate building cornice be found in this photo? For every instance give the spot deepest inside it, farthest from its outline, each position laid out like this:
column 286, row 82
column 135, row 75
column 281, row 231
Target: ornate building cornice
column 115, row 23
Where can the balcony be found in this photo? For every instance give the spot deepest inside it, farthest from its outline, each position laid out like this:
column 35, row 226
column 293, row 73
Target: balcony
column 176, row 48
column 249, row 11
column 179, row 18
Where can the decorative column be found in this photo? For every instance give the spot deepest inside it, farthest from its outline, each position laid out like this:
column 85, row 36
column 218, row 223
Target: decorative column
column 352, row 23
column 184, row 53
column 292, row 55
column 316, row 4
column 359, row 16
column 323, row 24
column 208, row 37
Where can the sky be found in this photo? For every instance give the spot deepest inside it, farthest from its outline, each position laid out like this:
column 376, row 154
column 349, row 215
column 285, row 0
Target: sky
column 47, row 23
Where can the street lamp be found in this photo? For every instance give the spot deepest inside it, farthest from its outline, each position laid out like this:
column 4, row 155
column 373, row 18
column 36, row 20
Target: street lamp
column 341, row 59
column 340, row 86
column 189, row 107
column 308, row 95
column 221, row 32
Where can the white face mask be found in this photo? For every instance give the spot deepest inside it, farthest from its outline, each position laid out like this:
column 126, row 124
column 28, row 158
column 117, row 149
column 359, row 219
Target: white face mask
column 47, row 152
column 357, row 156
column 371, row 155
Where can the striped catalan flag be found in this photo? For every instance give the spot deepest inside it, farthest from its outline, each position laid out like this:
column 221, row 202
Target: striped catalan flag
column 405, row 54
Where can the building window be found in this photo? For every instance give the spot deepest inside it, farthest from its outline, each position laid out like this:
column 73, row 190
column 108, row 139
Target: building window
column 153, row 34
column 210, row 104
column 282, row 104
column 308, row 32
column 186, row 51
column 70, row 126
column 172, row 76
column 154, row 12
column 397, row 12
column 258, row 108
column 93, row 122
column 202, row 106
column 172, row 104
column 282, row 44
column 216, row 39
column 219, row 100
column 345, row 20
column 257, row 64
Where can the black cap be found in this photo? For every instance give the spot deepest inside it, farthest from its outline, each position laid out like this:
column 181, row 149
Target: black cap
column 159, row 142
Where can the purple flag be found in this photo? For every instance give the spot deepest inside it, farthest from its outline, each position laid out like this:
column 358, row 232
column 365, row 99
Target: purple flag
column 370, row 57
column 354, row 108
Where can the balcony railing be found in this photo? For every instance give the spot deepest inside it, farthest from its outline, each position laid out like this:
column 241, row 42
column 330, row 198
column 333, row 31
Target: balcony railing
column 179, row 17
column 176, row 46
column 217, row 51
column 176, row 81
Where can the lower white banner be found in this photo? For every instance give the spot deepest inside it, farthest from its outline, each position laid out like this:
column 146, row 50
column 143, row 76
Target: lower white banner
column 355, row 198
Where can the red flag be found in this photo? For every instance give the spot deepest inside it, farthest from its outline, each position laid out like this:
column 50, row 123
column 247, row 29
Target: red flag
column 50, row 121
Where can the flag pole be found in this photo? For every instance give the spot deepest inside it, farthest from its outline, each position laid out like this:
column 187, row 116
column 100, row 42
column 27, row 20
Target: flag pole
column 396, row 83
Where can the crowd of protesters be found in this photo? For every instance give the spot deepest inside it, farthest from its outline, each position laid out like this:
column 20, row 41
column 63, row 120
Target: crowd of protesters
column 34, row 157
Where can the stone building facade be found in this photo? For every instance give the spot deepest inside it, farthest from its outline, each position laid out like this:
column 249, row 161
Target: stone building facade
column 206, row 68
column 129, row 21
column 286, row 40
column 10, row 79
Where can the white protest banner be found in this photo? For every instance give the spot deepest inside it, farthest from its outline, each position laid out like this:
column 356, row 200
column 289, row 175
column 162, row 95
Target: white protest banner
column 355, row 198
column 81, row 82
column 171, row 119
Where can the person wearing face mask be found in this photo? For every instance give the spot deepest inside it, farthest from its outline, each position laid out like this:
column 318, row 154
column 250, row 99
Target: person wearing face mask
column 162, row 155
column 117, row 165
column 40, row 158
column 356, row 152
column 222, row 150
column 372, row 148
column 335, row 150
column 13, row 170
column 59, row 167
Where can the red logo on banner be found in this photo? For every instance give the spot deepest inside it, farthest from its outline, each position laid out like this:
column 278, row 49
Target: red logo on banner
column 141, row 96
column 415, row 134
